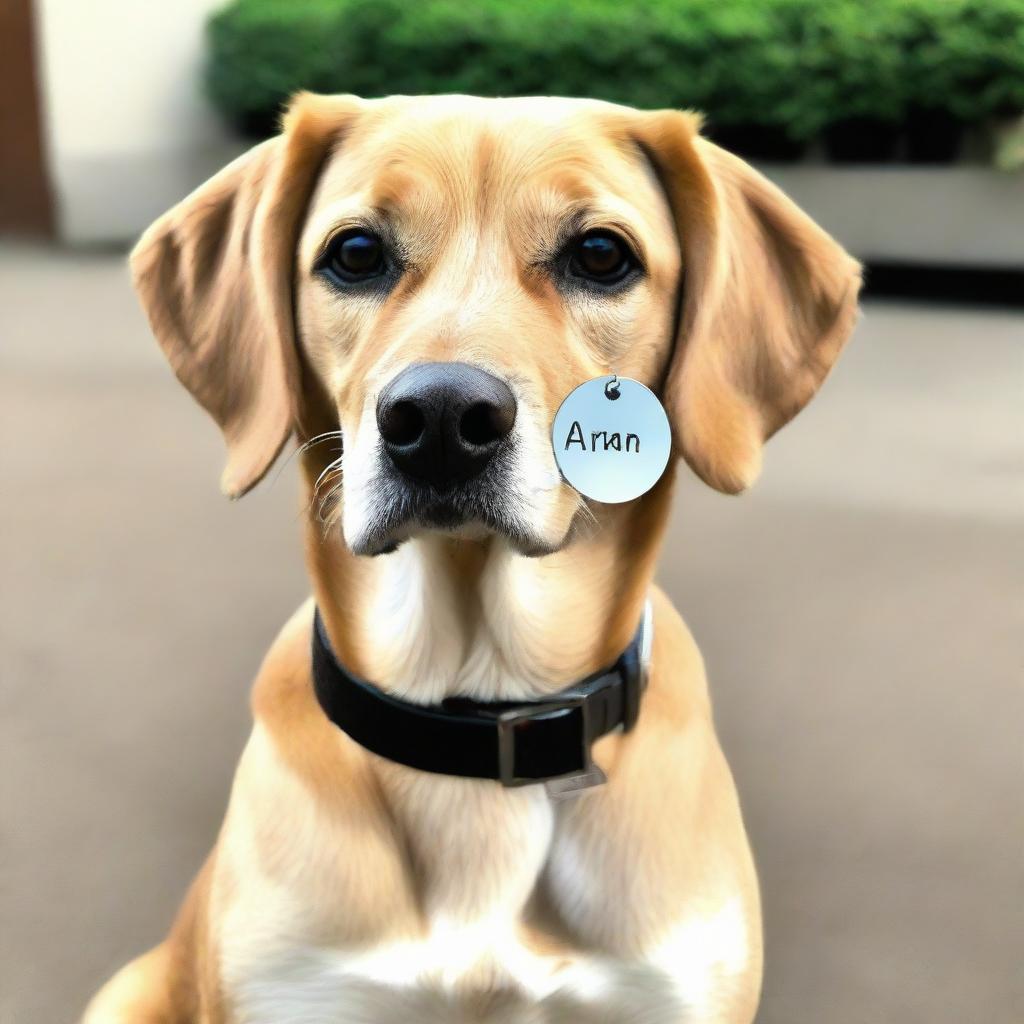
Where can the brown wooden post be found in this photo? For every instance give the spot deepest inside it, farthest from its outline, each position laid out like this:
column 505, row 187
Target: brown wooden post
column 26, row 202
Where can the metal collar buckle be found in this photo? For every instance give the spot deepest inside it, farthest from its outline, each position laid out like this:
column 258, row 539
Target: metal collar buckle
column 513, row 723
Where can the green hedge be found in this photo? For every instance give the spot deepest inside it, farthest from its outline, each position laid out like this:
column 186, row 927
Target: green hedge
column 791, row 66
column 967, row 56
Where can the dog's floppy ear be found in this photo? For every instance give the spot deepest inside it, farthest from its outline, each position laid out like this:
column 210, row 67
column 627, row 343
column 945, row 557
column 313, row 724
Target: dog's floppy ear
column 769, row 300
column 215, row 275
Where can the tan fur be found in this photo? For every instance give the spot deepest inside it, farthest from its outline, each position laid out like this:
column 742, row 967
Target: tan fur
column 635, row 898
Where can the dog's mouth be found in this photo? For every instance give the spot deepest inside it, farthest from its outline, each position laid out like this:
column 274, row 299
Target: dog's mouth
column 487, row 505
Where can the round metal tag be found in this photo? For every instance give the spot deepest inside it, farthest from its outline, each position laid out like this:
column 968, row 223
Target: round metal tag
column 611, row 439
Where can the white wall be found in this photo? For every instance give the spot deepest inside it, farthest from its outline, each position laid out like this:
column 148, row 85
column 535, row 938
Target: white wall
column 129, row 131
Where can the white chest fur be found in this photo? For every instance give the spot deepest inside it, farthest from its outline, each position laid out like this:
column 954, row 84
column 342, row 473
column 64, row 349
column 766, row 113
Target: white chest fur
column 478, row 853
column 478, row 864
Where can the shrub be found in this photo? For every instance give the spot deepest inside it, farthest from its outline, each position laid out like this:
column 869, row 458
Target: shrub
column 730, row 59
column 856, row 61
column 965, row 57
column 789, row 65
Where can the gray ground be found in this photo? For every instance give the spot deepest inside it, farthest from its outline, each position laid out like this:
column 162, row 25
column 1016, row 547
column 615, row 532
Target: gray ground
column 859, row 611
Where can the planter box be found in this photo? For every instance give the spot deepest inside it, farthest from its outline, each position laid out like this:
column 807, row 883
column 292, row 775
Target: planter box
column 942, row 216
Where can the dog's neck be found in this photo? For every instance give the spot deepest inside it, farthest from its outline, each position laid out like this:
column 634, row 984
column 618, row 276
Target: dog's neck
column 443, row 617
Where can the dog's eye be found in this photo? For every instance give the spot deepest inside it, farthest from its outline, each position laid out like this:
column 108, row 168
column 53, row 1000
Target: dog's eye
column 353, row 257
column 601, row 256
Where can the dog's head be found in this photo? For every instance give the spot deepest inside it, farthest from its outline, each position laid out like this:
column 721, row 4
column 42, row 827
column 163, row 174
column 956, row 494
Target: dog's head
column 434, row 275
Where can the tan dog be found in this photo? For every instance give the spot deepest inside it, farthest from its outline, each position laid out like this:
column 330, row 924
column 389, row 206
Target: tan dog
column 546, row 242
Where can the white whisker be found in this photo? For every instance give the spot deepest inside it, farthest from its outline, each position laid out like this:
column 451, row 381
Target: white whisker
column 331, row 467
column 304, row 447
column 319, row 439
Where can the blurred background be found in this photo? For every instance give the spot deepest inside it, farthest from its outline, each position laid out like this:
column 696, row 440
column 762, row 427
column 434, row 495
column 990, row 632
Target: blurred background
column 860, row 611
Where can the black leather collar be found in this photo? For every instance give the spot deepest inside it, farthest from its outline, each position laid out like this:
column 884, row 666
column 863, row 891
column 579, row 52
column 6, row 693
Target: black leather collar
column 516, row 743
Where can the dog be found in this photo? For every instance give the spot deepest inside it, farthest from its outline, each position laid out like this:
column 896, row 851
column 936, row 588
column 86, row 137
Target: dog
column 410, row 287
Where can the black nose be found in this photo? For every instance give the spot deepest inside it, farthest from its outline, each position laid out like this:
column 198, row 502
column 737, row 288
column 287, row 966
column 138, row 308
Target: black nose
column 441, row 423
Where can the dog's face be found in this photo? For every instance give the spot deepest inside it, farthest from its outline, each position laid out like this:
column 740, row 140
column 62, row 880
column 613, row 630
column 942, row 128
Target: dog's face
column 464, row 264
column 439, row 273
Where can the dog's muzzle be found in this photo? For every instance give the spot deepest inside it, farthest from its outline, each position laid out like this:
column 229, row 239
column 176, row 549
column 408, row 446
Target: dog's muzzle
column 447, row 451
